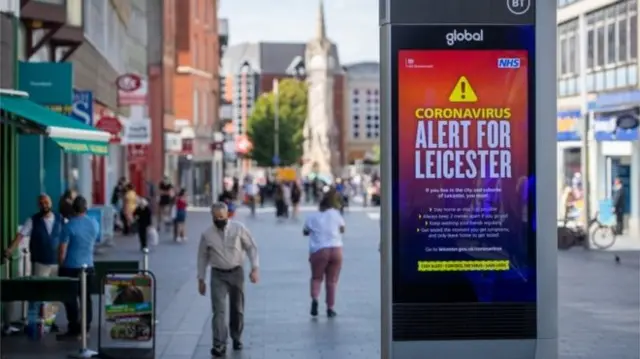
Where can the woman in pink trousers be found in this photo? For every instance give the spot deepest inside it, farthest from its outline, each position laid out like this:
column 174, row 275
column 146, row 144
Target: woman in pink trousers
column 325, row 229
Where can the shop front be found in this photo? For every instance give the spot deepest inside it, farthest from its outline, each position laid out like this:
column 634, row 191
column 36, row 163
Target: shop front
column 48, row 98
column 45, row 136
column 618, row 151
column 109, row 169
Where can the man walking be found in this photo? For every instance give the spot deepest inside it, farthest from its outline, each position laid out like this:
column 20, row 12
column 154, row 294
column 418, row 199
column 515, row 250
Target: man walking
column 619, row 203
column 222, row 247
column 76, row 251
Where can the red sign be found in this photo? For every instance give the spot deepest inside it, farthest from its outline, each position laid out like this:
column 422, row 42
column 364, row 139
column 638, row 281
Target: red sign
column 243, row 145
column 187, row 146
column 112, row 125
column 137, row 154
column 129, row 82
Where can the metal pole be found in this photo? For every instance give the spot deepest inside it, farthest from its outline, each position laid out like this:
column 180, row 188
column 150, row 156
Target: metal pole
column 276, row 122
column 25, row 306
column 586, row 170
column 145, row 259
column 83, row 306
column 84, row 351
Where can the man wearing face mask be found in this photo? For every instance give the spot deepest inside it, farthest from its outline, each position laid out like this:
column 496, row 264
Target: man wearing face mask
column 223, row 247
column 43, row 229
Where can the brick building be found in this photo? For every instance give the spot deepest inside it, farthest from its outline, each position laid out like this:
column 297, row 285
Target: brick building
column 185, row 81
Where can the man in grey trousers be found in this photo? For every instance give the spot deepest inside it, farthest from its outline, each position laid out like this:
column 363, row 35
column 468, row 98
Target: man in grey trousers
column 222, row 247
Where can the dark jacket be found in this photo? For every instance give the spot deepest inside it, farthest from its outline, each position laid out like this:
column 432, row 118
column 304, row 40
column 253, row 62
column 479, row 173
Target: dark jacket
column 43, row 245
column 144, row 217
column 619, row 200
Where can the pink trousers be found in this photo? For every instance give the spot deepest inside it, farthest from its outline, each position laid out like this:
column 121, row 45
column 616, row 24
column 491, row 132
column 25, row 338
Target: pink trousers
column 325, row 265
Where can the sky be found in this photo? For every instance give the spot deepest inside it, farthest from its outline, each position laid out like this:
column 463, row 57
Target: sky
column 351, row 24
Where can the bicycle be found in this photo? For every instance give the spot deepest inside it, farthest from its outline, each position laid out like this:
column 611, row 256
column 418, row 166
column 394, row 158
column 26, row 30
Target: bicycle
column 571, row 234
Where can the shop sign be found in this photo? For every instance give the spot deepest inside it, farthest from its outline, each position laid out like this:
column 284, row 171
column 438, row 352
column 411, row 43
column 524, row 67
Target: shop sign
column 47, row 83
column 132, row 90
column 568, row 126
column 137, row 153
column 137, row 132
column 243, row 145
column 187, row 146
column 82, row 108
column 112, row 125
column 606, row 129
column 172, row 142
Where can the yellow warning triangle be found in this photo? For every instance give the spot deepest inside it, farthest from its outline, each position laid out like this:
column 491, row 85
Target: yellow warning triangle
column 463, row 92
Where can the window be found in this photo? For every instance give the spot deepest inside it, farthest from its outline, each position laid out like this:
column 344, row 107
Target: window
column 196, row 107
column 194, row 51
column 612, row 47
column 562, row 3
column 568, row 58
column 205, row 109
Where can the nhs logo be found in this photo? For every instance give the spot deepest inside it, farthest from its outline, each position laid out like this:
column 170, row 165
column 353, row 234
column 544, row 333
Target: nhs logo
column 508, row 63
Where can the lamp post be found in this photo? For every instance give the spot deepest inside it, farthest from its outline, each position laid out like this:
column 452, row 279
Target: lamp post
column 276, row 124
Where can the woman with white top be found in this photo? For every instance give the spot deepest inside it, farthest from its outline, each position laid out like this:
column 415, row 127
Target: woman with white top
column 325, row 229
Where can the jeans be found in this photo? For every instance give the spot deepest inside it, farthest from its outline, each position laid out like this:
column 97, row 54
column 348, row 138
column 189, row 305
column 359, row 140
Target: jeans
column 72, row 308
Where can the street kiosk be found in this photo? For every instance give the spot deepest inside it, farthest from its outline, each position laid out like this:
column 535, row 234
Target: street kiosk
column 469, row 263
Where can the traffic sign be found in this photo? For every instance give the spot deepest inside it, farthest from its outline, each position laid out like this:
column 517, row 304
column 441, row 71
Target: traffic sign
column 276, row 160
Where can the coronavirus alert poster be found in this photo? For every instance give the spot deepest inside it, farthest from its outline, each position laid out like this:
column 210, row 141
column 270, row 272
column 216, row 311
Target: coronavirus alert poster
column 463, row 163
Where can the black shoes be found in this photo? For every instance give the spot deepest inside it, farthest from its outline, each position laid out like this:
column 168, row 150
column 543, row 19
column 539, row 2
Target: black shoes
column 218, row 351
column 314, row 310
column 221, row 350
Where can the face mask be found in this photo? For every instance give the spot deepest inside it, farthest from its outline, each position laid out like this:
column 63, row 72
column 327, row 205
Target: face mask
column 220, row 223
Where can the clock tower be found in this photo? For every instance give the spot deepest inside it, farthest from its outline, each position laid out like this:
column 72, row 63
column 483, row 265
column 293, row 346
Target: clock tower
column 320, row 145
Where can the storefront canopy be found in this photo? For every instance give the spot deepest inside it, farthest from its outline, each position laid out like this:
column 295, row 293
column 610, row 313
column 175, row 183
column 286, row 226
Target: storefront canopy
column 71, row 135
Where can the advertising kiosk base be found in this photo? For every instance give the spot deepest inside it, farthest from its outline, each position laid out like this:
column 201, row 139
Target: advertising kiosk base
column 127, row 353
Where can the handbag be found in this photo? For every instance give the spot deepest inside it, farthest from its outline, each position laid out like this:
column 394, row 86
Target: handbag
column 152, row 236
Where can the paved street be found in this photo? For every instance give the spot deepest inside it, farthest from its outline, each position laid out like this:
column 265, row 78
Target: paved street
column 599, row 310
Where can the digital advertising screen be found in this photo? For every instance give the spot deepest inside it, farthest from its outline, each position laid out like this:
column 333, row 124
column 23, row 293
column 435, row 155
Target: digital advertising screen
column 464, row 167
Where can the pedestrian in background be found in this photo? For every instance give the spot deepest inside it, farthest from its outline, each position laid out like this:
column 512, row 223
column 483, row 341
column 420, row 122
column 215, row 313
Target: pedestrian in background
column 619, row 204
column 325, row 229
column 144, row 220
column 65, row 207
column 222, row 247
column 181, row 216
column 164, row 203
column 77, row 242
column 130, row 202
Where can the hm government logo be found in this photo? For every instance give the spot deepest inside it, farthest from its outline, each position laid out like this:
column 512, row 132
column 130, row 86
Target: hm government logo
column 411, row 63
column 464, row 36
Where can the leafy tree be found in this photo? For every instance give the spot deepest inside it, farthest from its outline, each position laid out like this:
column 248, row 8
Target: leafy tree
column 292, row 113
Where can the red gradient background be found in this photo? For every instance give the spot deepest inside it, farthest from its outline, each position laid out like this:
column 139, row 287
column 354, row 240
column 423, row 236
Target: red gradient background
column 426, row 79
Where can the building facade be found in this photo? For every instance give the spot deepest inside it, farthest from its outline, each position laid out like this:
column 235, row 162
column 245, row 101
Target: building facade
column 362, row 115
column 598, row 80
column 196, row 92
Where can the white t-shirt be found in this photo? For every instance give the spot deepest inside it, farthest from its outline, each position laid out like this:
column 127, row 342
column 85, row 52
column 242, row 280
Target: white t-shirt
column 251, row 189
column 324, row 229
column 27, row 227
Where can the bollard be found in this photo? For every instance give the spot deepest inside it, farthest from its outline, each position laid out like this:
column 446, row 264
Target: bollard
column 84, row 351
column 145, row 259
column 25, row 305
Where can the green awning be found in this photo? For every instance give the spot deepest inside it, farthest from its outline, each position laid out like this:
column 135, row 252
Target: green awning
column 72, row 136
column 83, row 146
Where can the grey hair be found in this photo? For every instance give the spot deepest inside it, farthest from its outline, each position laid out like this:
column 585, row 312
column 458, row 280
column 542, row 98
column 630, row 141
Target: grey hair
column 219, row 206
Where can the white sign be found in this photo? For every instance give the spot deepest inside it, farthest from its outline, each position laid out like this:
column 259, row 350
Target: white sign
column 172, row 142
column 132, row 90
column 136, row 132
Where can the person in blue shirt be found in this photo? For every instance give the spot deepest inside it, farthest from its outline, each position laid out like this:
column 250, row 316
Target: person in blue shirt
column 77, row 242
